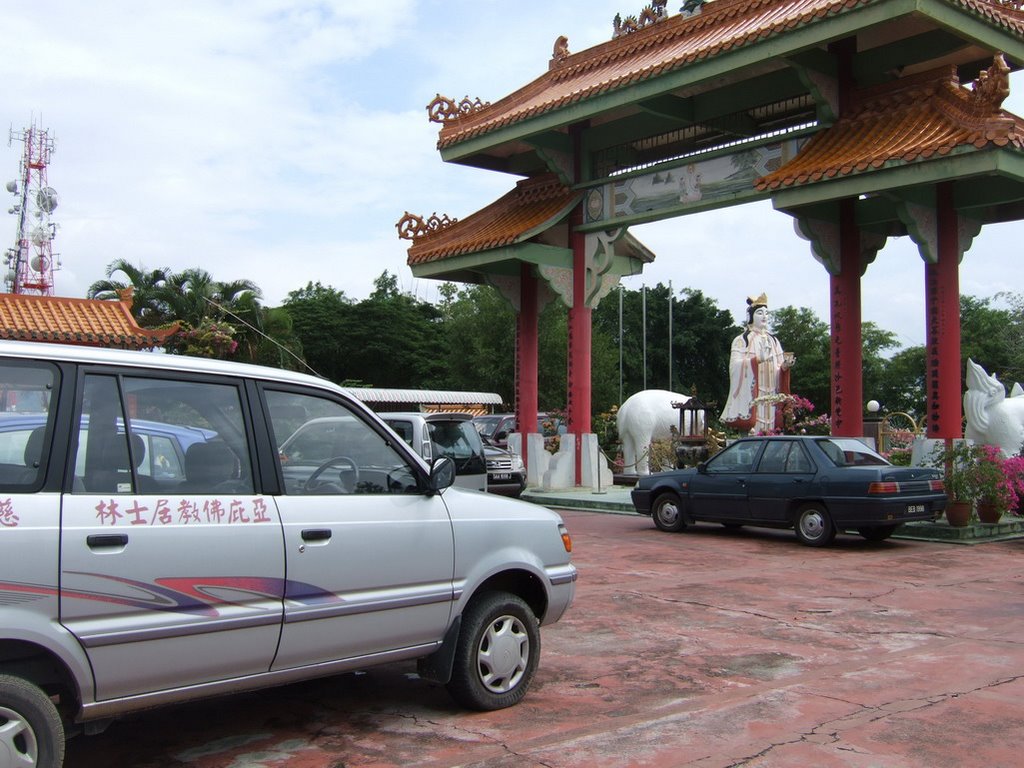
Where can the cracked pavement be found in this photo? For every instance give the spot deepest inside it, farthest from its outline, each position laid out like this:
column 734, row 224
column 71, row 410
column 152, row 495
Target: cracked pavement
column 709, row 648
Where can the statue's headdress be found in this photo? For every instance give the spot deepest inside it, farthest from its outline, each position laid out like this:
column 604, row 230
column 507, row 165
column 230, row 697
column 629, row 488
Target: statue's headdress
column 753, row 302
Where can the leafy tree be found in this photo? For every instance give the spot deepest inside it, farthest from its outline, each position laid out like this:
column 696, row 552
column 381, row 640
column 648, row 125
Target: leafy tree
column 901, row 386
column 147, row 305
column 394, row 340
column 804, row 334
column 318, row 316
column 192, row 295
column 984, row 335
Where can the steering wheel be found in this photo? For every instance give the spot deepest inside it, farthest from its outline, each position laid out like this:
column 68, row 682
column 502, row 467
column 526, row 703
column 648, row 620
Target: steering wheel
column 348, row 476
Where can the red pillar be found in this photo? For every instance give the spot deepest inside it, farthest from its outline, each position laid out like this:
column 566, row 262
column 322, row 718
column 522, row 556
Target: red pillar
column 578, row 356
column 942, row 300
column 579, row 345
column 847, row 348
column 526, row 355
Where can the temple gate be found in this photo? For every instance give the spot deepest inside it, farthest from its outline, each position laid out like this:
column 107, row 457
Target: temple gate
column 861, row 119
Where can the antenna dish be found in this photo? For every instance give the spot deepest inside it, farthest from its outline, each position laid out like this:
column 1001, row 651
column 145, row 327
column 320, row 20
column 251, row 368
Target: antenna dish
column 46, row 199
column 12, row 187
column 39, row 263
column 41, row 235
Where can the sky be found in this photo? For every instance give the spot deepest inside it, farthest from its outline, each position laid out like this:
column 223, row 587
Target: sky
column 281, row 140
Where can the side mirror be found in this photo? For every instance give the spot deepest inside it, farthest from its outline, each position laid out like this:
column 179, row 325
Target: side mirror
column 702, row 468
column 442, row 474
column 498, row 436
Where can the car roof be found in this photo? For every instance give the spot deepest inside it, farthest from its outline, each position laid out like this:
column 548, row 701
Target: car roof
column 163, row 362
column 439, row 416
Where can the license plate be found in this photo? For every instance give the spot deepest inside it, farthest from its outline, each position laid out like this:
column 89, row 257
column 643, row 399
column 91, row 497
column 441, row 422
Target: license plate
column 915, row 509
column 502, row 476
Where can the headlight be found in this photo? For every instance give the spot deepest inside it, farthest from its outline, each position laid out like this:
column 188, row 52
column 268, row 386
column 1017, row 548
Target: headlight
column 517, row 463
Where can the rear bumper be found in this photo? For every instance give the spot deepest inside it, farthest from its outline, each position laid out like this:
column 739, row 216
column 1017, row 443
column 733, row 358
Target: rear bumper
column 887, row 511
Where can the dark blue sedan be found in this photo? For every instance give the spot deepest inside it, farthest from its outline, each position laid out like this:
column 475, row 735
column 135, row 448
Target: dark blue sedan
column 815, row 485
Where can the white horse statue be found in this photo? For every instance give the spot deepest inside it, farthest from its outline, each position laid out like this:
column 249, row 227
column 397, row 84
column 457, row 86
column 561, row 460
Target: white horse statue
column 992, row 417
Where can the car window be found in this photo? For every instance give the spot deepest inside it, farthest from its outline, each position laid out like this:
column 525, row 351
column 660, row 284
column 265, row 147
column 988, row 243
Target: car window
column 847, row 452
column 334, row 451
column 738, row 457
column 456, row 439
column 181, row 436
column 25, row 420
column 783, row 456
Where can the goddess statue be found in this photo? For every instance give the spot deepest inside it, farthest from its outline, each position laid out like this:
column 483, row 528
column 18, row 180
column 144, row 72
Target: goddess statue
column 758, row 374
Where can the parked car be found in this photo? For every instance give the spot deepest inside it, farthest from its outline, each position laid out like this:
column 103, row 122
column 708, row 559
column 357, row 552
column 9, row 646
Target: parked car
column 445, row 434
column 506, row 473
column 266, row 559
column 816, row 485
column 495, row 428
column 159, row 449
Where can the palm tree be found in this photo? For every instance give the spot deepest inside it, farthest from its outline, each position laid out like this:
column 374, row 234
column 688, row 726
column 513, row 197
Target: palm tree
column 147, row 307
column 192, row 295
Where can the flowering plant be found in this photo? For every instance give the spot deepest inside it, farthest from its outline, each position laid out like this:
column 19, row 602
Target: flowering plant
column 900, row 446
column 208, row 339
column 976, row 473
column 1013, row 468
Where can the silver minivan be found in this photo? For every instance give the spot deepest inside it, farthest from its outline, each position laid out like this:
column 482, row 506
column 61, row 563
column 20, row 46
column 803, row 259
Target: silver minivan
column 167, row 534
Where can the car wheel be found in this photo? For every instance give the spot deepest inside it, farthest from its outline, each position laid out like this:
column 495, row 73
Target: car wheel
column 814, row 526
column 877, row 533
column 497, row 653
column 668, row 512
column 31, row 732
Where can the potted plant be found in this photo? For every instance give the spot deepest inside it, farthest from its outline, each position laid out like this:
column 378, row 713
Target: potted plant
column 975, row 477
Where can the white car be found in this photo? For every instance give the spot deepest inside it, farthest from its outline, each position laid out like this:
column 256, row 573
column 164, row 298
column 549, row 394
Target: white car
column 125, row 583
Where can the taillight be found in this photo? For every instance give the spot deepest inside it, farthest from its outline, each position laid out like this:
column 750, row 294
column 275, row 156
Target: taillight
column 566, row 538
column 888, row 487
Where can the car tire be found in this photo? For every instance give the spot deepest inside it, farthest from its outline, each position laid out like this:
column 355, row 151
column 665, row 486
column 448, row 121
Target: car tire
column 814, row 526
column 667, row 512
column 497, row 652
column 31, row 731
column 877, row 533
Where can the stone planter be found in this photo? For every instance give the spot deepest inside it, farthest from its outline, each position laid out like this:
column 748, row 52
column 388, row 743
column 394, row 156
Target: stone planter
column 958, row 513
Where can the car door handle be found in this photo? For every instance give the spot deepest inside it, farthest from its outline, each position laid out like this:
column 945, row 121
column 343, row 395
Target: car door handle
column 316, row 534
column 105, row 540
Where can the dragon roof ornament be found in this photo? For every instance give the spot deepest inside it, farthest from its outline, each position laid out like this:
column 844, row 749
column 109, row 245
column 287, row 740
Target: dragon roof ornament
column 412, row 227
column 651, row 14
column 442, row 109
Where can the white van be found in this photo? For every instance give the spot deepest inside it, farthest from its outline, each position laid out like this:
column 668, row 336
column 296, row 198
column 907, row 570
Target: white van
column 445, row 434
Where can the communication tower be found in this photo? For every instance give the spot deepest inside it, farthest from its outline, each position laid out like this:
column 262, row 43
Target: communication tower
column 30, row 264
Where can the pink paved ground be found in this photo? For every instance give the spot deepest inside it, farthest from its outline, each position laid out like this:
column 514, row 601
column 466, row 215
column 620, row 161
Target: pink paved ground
column 712, row 648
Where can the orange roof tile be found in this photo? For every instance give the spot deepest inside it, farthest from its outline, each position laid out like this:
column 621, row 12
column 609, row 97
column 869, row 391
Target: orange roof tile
column 74, row 321
column 510, row 219
column 907, row 120
column 666, row 46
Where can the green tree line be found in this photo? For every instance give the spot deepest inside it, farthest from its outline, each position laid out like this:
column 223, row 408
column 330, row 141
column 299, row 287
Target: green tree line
column 466, row 341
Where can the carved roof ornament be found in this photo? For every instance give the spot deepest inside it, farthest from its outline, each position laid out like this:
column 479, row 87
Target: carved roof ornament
column 442, row 109
column 560, row 52
column 412, row 227
column 993, row 84
column 651, row 14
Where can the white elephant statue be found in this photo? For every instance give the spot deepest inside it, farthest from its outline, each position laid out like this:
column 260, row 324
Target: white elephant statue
column 644, row 417
column 992, row 417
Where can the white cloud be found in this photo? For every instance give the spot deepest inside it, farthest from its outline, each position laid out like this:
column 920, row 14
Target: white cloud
column 281, row 140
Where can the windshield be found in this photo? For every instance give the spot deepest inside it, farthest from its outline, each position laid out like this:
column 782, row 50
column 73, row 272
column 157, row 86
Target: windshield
column 849, row 452
column 486, row 425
